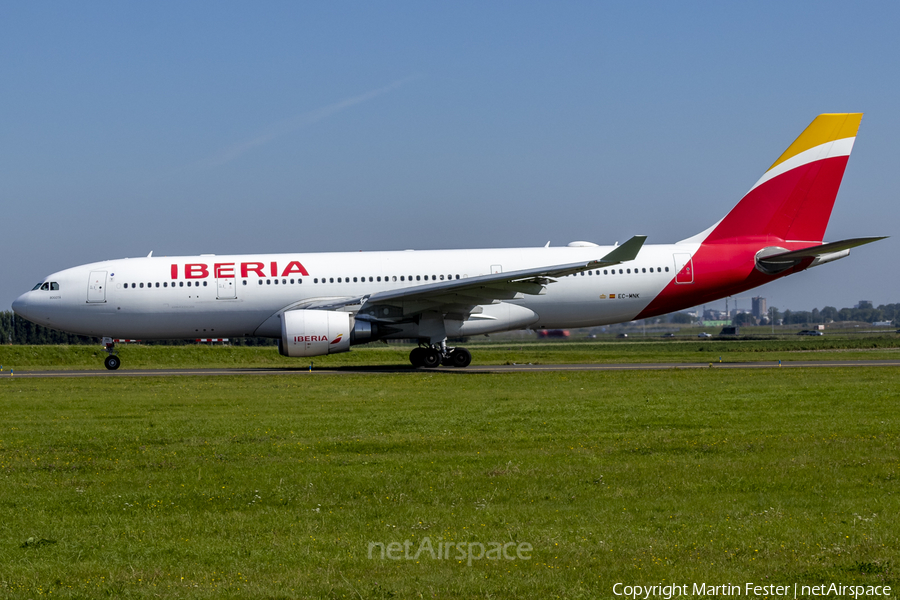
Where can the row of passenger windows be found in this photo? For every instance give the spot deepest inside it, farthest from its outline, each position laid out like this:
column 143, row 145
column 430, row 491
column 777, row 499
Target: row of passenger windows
column 387, row 278
column 164, row 284
column 622, row 271
column 404, row 278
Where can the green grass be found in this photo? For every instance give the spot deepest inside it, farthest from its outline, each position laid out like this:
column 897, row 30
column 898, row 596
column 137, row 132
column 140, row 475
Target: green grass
column 484, row 353
column 248, row 487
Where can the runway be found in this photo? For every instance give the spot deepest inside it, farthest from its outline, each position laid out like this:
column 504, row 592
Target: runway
column 472, row 370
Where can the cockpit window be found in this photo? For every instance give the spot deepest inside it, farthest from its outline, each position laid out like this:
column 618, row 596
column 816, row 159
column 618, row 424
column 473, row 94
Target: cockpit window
column 37, row 286
column 46, row 286
column 54, row 286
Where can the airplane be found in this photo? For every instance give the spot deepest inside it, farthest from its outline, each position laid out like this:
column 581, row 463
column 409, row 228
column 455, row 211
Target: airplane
column 323, row 303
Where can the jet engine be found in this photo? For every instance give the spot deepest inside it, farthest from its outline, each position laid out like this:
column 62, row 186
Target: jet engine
column 318, row 332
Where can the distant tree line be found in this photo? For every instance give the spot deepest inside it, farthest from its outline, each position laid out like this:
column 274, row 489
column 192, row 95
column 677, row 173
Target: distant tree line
column 16, row 330
column 885, row 312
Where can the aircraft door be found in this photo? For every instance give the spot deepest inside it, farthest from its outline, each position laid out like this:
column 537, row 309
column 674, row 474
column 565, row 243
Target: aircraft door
column 97, row 287
column 684, row 268
column 496, row 269
column 226, row 289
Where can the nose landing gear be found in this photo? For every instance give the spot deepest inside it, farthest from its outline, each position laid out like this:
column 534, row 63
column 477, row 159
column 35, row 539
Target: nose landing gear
column 436, row 355
column 112, row 361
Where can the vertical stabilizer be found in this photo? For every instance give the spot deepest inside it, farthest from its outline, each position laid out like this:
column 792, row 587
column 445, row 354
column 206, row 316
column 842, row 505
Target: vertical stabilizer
column 792, row 201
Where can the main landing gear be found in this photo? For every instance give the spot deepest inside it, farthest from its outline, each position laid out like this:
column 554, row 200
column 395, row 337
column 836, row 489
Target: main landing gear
column 434, row 356
column 112, row 361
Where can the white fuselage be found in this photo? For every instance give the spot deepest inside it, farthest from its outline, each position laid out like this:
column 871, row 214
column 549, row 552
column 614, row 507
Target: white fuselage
column 242, row 295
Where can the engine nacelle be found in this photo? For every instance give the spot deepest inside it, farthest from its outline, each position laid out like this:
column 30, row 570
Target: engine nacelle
column 314, row 332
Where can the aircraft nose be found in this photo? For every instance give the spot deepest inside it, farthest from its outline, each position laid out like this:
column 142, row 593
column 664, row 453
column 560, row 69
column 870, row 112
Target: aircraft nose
column 20, row 306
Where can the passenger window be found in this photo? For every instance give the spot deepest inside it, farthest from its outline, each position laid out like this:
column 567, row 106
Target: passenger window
column 260, row 282
column 204, row 284
column 457, row 276
column 276, row 282
column 331, row 280
column 142, row 285
column 283, row 281
column 442, row 277
column 620, row 271
column 434, row 277
column 605, row 272
column 180, row 284
column 379, row 278
column 667, row 269
column 292, row 281
column 316, row 280
column 643, row 270
column 418, row 278
column 402, row 278
column 339, row 279
column 354, row 280
column 157, row 284
column 245, row 282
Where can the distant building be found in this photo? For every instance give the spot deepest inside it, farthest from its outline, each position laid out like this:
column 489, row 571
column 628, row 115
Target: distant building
column 759, row 308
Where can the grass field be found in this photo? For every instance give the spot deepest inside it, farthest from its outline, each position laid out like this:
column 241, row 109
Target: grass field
column 277, row 487
column 484, row 353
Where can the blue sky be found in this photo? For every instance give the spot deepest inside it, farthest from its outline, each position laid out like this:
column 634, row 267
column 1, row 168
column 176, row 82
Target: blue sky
column 188, row 128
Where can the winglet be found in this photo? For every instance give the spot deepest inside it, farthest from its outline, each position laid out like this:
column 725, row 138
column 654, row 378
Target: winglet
column 627, row 251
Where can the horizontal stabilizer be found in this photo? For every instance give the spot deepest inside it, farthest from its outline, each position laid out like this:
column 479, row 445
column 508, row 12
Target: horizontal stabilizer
column 816, row 251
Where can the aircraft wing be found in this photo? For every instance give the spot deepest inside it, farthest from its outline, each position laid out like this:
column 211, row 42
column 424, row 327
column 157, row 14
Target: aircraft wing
column 460, row 295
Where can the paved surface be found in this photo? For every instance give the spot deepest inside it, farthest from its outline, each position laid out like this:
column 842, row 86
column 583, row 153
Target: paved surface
column 514, row 368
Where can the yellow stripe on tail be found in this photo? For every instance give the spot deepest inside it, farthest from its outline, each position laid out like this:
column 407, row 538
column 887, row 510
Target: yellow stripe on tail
column 824, row 128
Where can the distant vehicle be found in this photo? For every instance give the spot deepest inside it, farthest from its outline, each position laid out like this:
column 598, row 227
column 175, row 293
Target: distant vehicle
column 622, row 335
column 703, row 334
column 730, row 330
column 809, row 332
column 669, row 334
column 553, row 333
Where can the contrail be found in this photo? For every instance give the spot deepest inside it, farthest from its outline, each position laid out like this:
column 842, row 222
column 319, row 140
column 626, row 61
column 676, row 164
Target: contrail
column 287, row 126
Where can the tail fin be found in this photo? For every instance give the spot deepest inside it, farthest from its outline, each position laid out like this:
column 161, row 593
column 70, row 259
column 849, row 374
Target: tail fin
column 792, row 201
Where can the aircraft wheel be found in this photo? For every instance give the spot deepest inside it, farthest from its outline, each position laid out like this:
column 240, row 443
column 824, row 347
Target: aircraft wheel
column 461, row 358
column 112, row 362
column 416, row 357
column 431, row 358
